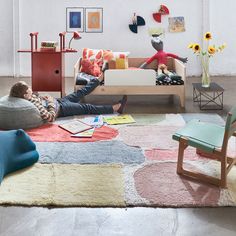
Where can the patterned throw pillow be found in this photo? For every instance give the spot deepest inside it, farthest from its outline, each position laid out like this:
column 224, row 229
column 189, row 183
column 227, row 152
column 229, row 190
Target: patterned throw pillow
column 90, row 67
column 107, row 55
column 102, row 58
column 93, row 54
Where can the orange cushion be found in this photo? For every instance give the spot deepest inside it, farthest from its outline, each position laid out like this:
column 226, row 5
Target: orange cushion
column 90, row 67
column 121, row 59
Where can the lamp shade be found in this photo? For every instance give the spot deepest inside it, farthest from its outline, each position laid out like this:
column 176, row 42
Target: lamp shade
column 75, row 36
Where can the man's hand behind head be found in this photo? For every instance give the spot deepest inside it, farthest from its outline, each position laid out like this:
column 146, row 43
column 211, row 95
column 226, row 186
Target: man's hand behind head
column 49, row 98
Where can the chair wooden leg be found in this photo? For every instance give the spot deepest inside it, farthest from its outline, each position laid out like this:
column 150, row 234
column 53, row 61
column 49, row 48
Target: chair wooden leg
column 223, row 178
column 182, row 146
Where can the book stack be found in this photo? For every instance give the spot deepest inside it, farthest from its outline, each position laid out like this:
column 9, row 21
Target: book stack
column 48, row 45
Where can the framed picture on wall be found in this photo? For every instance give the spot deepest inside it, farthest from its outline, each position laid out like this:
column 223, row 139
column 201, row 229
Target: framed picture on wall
column 93, row 20
column 176, row 24
column 75, row 19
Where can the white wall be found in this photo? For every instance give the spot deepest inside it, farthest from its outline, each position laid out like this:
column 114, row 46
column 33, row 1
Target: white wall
column 223, row 28
column 6, row 38
column 48, row 17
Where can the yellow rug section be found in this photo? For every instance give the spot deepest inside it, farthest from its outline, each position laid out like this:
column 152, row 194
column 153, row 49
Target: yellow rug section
column 64, row 185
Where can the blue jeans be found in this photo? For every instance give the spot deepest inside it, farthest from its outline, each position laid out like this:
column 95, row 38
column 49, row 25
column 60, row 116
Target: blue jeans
column 70, row 105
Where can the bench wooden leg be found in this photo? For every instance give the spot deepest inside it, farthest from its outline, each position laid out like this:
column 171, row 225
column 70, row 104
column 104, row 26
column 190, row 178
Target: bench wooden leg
column 182, row 100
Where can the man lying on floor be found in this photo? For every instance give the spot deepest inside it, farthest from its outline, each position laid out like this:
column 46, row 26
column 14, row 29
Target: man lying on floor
column 50, row 108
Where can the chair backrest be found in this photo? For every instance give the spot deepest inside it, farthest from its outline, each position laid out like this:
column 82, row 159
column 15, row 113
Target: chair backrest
column 230, row 128
column 230, row 125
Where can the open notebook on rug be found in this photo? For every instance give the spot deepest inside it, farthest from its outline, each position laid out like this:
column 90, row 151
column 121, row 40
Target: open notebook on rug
column 118, row 120
column 95, row 121
column 75, row 126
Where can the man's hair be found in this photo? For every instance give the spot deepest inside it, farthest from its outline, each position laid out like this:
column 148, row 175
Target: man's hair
column 19, row 89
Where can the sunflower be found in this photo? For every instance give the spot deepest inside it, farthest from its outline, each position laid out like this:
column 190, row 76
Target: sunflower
column 211, row 50
column 196, row 48
column 223, row 46
column 207, row 36
column 190, row 45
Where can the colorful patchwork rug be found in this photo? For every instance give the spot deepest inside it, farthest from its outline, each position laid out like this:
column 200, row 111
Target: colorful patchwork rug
column 126, row 165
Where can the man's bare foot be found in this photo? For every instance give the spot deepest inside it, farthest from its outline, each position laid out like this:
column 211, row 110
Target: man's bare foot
column 119, row 107
column 116, row 107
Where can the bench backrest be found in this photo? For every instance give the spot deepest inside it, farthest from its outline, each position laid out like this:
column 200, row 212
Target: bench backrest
column 136, row 62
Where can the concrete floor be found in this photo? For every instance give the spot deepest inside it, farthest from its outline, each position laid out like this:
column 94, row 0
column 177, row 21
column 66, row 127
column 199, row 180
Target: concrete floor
column 23, row 221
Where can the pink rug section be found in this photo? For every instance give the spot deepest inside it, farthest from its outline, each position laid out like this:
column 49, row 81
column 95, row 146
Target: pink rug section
column 53, row 133
column 171, row 155
column 149, row 136
column 161, row 186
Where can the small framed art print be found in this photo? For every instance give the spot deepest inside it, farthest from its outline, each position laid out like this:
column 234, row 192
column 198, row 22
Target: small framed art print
column 75, row 19
column 176, row 24
column 93, row 20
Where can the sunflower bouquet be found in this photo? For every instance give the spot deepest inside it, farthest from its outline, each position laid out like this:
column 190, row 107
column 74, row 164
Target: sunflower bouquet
column 205, row 54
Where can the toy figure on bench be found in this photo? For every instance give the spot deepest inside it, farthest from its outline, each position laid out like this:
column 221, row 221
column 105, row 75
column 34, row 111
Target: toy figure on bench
column 163, row 75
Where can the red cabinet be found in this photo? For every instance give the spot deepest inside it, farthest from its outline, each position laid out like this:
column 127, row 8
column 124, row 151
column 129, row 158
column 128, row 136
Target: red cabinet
column 48, row 71
column 48, row 66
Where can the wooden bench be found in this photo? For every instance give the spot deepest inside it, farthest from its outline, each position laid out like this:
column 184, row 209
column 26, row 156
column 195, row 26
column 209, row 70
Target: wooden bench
column 138, row 85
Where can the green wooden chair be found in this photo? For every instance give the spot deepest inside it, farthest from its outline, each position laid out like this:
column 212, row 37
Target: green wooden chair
column 211, row 140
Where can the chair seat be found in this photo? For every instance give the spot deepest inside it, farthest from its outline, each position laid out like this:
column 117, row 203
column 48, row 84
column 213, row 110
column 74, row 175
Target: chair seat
column 202, row 135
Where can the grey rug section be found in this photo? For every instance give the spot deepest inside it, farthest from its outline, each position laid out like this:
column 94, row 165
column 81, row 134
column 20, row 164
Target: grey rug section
column 89, row 153
column 210, row 118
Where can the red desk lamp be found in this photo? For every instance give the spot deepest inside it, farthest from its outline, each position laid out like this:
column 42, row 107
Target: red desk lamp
column 75, row 36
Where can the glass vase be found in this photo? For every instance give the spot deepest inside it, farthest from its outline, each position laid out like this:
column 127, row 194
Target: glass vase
column 206, row 82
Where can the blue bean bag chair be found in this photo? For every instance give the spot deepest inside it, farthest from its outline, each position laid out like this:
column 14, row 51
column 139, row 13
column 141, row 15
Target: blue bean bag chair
column 17, row 151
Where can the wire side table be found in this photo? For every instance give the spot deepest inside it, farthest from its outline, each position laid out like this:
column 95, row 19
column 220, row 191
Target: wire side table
column 210, row 98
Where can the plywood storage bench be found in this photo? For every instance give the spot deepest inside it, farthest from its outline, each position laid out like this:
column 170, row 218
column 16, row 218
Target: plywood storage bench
column 138, row 81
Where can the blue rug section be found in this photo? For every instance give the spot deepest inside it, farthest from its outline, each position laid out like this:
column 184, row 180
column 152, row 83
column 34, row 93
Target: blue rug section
column 89, row 153
column 210, row 118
